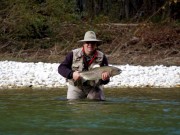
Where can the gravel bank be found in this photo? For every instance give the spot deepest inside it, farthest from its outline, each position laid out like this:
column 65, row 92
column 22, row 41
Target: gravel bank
column 45, row 75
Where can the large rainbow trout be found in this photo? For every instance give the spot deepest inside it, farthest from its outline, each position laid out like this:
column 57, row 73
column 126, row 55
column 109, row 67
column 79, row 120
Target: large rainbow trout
column 96, row 73
column 92, row 77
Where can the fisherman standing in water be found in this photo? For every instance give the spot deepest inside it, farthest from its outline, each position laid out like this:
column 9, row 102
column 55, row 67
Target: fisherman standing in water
column 84, row 59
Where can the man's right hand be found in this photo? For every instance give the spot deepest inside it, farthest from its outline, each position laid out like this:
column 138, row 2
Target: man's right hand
column 76, row 75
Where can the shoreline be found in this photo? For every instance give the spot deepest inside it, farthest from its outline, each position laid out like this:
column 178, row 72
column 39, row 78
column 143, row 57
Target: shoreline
column 18, row 75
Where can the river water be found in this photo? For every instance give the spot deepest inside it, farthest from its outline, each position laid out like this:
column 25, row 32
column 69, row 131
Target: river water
column 125, row 112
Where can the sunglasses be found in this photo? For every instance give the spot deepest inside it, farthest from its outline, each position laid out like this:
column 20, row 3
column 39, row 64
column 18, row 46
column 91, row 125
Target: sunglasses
column 91, row 42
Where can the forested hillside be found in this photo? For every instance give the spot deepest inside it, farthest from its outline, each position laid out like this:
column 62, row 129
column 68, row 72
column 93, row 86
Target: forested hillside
column 142, row 32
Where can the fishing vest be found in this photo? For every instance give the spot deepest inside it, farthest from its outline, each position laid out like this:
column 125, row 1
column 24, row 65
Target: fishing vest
column 78, row 65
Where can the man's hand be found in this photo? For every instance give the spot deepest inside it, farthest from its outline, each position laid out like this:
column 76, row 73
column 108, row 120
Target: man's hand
column 105, row 76
column 76, row 75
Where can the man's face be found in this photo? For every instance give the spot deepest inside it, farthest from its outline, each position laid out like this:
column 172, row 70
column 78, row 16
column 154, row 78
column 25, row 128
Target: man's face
column 89, row 47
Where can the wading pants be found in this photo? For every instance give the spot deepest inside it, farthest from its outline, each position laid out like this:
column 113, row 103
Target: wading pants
column 95, row 93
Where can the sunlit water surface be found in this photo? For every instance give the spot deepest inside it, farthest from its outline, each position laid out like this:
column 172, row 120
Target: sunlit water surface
column 125, row 112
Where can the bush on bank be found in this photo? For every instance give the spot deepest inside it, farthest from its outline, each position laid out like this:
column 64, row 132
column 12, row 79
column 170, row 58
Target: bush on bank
column 36, row 25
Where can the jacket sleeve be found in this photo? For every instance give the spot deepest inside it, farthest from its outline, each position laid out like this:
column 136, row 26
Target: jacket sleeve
column 64, row 68
column 104, row 63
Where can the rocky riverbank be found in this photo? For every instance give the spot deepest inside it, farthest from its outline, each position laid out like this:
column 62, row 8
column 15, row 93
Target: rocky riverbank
column 41, row 75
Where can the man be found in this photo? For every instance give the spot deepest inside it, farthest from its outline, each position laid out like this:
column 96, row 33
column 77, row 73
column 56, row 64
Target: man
column 83, row 59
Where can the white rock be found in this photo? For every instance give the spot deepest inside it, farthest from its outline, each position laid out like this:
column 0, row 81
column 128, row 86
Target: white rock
column 40, row 75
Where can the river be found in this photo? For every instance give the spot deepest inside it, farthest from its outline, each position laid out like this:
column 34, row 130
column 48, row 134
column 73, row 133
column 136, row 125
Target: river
column 125, row 112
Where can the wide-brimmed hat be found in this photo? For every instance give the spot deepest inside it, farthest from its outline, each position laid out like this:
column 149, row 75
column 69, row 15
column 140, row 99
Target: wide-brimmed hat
column 90, row 36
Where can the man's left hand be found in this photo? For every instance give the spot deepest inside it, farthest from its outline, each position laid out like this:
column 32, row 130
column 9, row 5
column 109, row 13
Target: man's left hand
column 105, row 76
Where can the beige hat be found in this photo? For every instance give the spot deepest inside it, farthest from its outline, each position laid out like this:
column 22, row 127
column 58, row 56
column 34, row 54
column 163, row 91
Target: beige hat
column 90, row 36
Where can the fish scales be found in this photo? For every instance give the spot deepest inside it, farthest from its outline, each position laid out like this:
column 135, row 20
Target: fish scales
column 95, row 73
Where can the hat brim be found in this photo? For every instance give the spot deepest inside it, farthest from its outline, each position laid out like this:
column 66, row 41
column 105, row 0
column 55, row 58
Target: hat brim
column 91, row 40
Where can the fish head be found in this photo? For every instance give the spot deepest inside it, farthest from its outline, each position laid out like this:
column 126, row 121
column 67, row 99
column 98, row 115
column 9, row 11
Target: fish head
column 115, row 71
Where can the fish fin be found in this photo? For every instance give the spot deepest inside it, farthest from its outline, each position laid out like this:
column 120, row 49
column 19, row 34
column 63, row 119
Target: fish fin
column 91, row 83
column 83, row 80
column 95, row 83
